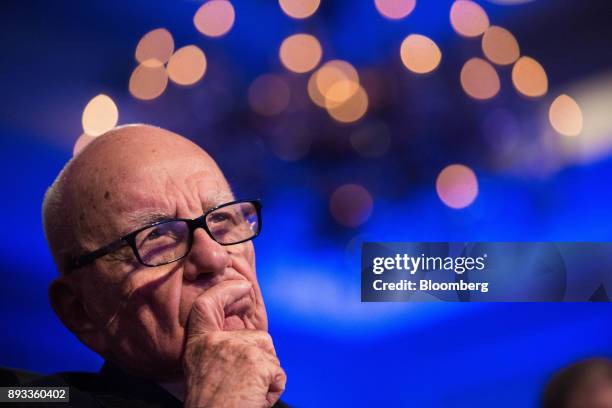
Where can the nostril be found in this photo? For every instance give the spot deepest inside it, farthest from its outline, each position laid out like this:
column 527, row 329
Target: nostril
column 206, row 256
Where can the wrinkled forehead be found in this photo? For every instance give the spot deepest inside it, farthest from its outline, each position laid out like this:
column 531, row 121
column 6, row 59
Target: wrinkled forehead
column 126, row 197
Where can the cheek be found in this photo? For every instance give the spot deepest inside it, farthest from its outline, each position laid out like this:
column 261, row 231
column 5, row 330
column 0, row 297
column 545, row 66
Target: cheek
column 151, row 304
column 189, row 295
column 243, row 260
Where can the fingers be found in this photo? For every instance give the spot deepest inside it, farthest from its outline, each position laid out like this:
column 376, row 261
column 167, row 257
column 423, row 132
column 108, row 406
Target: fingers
column 277, row 386
column 209, row 309
column 278, row 378
column 259, row 338
column 245, row 359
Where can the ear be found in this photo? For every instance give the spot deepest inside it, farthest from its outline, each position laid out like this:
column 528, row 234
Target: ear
column 73, row 313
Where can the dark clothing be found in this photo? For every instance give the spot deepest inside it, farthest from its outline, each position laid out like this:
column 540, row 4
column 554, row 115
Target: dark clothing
column 110, row 388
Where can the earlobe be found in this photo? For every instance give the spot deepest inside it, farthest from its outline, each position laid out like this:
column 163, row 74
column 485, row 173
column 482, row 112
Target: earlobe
column 70, row 309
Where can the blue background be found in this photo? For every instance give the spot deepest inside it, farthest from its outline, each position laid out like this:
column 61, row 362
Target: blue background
column 336, row 350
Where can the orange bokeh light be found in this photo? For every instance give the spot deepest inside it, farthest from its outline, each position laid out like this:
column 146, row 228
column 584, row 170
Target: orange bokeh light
column 333, row 83
column 155, row 46
column 457, row 186
column 352, row 109
column 468, row 18
column 215, row 18
column 299, row 8
column 565, row 116
column 479, row 79
column 149, row 80
column 300, row 53
column 100, row 115
column 500, row 46
column 395, row 9
column 187, row 65
column 420, row 54
column 529, row 77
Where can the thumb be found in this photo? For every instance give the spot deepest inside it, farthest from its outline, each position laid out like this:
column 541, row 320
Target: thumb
column 209, row 309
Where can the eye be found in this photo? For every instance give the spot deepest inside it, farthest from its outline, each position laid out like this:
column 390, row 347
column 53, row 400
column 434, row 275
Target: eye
column 154, row 234
column 218, row 217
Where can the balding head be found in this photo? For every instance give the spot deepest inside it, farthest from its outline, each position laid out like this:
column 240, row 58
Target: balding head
column 130, row 313
column 101, row 179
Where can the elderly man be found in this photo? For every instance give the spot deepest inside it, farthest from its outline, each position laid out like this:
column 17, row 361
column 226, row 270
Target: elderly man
column 157, row 276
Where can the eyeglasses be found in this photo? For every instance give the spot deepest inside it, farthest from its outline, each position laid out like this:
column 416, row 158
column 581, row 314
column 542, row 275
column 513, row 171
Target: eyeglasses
column 168, row 241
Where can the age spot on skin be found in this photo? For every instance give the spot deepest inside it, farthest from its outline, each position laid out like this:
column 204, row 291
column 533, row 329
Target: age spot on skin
column 107, row 195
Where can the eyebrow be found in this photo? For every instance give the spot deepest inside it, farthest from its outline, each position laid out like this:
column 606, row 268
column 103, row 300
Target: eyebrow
column 144, row 217
column 141, row 218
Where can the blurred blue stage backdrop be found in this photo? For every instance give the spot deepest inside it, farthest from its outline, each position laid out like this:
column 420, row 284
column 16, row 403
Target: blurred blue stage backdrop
column 372, row 164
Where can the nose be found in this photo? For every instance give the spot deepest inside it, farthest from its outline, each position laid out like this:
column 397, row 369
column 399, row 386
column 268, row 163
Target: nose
column 206, row 256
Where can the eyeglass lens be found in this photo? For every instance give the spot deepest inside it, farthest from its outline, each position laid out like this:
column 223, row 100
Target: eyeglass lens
column 169, row 241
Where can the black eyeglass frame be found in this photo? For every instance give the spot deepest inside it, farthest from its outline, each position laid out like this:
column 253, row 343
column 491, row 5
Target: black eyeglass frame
column 193, row 224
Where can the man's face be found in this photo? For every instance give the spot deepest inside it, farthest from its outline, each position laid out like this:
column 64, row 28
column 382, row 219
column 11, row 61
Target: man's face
column 142, row 312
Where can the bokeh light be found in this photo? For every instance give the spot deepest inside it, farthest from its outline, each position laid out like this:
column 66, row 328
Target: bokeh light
column 300, row 53
column 594, row 98
column 500, row 46
column 289, row 141
column 420, row 54
column 156, row 45
column 81, row 142
column 468, row 18
column 187, row 65
column 100, row 115
column 340, row 92
column 457, row 186
column 479, row 79
column 149, row 80
column 371, row 140
column 350, row 110
column 351, row 205
column 565, row 116
column 395, row 9
column 333, row 84
column 269, row 94
column 214, row 18
column 529, row 77
column 333, row 72
column 313, row 90
column 299, row 8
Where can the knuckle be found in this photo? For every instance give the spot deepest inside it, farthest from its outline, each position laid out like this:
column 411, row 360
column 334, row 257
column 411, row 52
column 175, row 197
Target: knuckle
column 233, row 342
column 281, row 376
column 268, row 339
column 252, row 354
column 211, row 339
column 276, row 361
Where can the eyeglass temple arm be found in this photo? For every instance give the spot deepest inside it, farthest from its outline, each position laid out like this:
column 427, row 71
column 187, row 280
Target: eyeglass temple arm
column 98, row 253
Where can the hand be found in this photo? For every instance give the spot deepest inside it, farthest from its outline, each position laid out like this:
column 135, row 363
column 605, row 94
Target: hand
column 229, row 368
